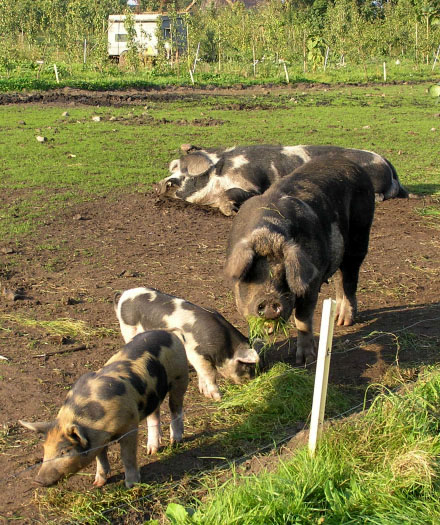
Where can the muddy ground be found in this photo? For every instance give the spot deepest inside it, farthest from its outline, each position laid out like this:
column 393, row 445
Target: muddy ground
column 73, row 264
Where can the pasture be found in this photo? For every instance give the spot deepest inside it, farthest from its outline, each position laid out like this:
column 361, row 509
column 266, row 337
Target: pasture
column 79, row 220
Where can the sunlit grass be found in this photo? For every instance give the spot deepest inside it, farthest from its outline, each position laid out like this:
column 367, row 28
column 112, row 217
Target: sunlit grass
column 68, row 328
column 378, row 468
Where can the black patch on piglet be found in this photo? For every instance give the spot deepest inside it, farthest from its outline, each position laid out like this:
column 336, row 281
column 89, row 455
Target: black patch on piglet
column 117, row 366
column 152, row 403
column 147, row 342
column 82, row 386
column 92, row 410
column 110, row 387
column 156, row 369
column 137, row 382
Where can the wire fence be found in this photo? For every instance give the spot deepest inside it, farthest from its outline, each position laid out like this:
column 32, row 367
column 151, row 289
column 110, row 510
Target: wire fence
column 193, row 474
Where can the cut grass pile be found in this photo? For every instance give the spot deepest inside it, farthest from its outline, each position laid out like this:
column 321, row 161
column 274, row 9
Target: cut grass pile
column 68, row 328
column 379, row 467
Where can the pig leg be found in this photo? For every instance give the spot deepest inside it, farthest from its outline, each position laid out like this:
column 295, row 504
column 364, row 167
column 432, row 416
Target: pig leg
column 207, row 374
column 102, row 468
column 176, row 409
column 154, row 434
column 346, row 286
column 128, row 456
column 306, row 346
column 232, row 199
column 128, row 332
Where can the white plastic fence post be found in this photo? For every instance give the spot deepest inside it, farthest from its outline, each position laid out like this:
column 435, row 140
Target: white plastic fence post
column 195, row 59
column 384, row 71
column 56, row 73
column 436, row 58
column 321, row 374
column 285, row 72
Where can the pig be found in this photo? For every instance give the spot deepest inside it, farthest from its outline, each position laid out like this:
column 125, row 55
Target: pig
column 224, row 178
column 213, row 346
column 108, row 405
column 285, row 243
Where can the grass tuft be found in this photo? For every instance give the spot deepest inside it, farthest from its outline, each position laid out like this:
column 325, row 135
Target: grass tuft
column 271, row 403
column 68, row 328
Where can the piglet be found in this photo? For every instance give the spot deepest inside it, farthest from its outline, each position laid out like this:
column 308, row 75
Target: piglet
column 212, row 344
column 109, row 404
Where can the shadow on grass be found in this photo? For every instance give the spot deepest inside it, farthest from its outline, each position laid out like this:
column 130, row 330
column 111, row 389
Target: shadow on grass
column 422, row 189
column 281, row 406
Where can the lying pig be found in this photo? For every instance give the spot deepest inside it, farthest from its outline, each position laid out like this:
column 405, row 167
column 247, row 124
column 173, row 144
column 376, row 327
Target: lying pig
column 107, row 405
column 212, row 344
column 284, row 244
column 224, row 178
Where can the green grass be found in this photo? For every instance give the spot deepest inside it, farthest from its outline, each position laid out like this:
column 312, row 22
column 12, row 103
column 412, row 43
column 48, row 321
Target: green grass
column 130, row 148
column 379, row 468
column 250, row 415
column 26, row 75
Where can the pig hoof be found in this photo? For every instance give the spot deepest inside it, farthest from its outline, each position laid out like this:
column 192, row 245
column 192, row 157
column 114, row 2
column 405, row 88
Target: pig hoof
column 129, row 483
column 99, row 481
column 176, row 439
column 210, row 391
column 152, row 449
column 213, row 394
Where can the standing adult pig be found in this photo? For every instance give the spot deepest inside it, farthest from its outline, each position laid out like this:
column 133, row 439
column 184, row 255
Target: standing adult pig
column 213, row 346
column 284, row 244
column 108, row 405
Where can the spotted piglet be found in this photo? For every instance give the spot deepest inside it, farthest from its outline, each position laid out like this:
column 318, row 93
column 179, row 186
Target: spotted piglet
column 108, row 405
column 212, row 344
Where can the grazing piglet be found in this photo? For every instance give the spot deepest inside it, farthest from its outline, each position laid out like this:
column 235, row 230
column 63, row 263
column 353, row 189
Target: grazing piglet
column 109, row 404
column 212, row 344
column 284, row 244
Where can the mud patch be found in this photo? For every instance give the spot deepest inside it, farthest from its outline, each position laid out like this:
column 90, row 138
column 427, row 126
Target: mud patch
column 70, row 269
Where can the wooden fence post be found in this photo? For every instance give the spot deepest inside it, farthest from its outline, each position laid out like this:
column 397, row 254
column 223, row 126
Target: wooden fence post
column 321, row 374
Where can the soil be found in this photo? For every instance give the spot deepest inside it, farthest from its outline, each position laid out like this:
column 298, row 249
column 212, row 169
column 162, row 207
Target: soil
column 72, row 265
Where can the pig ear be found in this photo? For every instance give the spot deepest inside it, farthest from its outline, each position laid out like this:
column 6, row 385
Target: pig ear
column 174, row 165
column 116, row 298
column 247, row 355
column 198, row 164
column 187, row 148
column 300, row 271
column 76, row 434
column 42, row 427
column 240, row 260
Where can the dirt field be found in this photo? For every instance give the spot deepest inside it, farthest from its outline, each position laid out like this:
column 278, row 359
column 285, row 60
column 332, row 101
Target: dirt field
column 73, row 265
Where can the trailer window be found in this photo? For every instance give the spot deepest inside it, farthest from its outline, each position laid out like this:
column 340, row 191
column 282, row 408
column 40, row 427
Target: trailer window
column 121, row 37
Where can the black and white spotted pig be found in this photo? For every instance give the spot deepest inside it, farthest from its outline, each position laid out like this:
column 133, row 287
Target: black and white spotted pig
column 223, row 178
column 285, row 243
column 212, row 344
column 108, row 404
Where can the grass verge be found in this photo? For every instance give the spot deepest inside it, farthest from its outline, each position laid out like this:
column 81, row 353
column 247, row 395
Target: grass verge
column 381, row 467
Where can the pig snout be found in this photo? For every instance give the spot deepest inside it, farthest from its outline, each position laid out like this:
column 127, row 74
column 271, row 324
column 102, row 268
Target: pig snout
column 269, row 308
column 168, row 186
column 48, row 476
